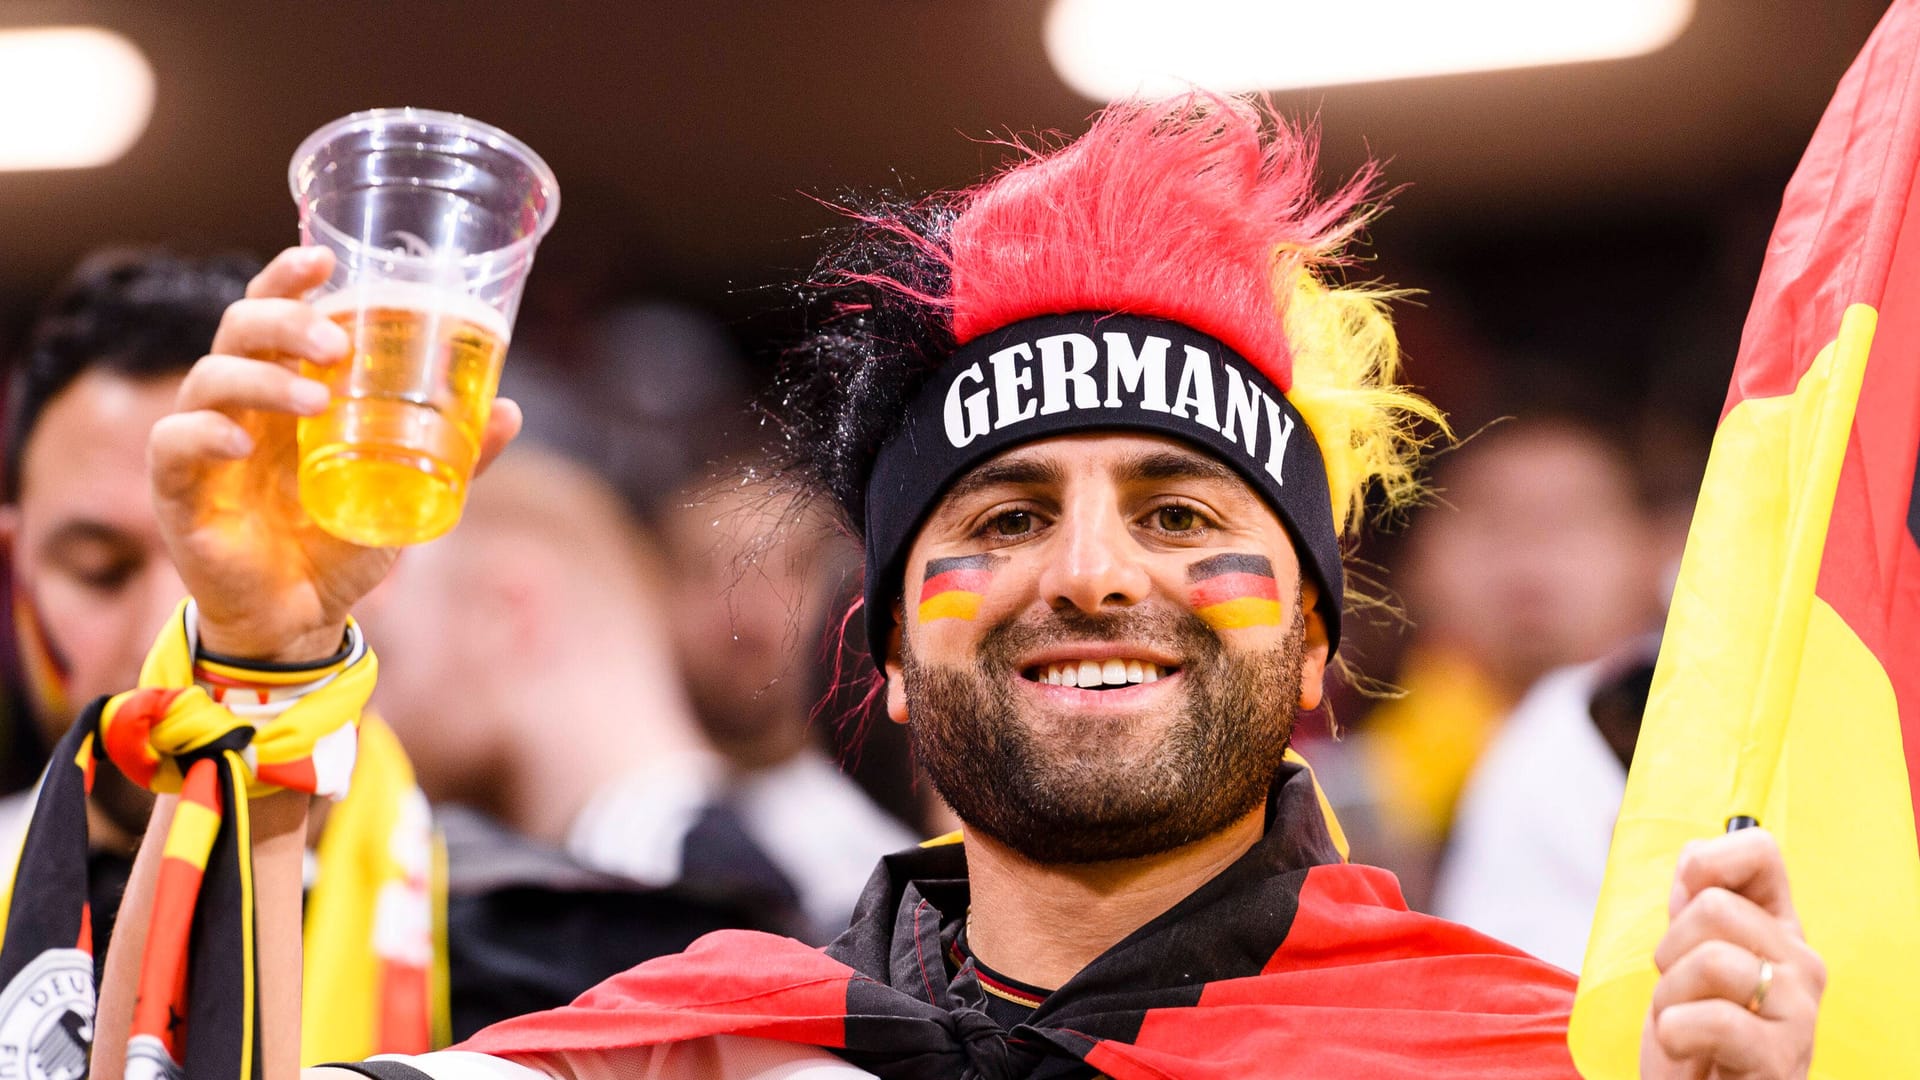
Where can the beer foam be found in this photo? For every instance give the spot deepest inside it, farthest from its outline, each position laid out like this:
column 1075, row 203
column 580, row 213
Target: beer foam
column 413, row 296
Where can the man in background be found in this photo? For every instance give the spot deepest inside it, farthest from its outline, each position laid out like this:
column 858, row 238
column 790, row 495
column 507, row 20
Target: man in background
column 530, row 669
column 1534, row 555
column 93, row 585
column 750, row 580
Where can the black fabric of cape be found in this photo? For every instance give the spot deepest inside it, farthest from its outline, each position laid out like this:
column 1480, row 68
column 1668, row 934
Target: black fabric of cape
column 1288, row 963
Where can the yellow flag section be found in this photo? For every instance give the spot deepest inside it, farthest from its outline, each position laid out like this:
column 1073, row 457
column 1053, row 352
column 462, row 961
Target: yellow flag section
column 1764, row 699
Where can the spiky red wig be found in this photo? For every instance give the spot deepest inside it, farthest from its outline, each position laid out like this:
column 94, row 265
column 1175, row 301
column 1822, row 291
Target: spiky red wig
column 1190, row 213
column 1199, row 210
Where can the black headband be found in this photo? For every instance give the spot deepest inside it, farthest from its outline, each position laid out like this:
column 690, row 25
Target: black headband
column 1063, row 374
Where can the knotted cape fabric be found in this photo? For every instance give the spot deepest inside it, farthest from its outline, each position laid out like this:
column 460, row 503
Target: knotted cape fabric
column 196, row 1013
column 1290, row 962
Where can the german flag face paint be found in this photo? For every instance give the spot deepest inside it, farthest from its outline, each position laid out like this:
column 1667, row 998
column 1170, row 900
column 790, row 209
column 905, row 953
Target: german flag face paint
column 952, row 587
column 1234, row 591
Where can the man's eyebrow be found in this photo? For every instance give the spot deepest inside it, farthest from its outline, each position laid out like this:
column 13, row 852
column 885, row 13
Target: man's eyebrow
column 1019, row 472
column 86, row 531
column 1163, row 465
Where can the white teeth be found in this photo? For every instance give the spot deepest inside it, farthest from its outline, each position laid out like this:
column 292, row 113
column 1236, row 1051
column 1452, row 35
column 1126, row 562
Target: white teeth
column 1088, row 674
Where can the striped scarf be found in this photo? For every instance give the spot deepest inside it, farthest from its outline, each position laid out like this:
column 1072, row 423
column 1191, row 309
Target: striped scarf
column 216, row 734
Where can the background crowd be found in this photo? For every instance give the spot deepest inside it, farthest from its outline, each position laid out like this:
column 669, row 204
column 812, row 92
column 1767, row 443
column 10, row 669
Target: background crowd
column 628, row 665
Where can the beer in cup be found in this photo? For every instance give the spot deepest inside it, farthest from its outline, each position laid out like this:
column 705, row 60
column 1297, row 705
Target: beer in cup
column 433, row 219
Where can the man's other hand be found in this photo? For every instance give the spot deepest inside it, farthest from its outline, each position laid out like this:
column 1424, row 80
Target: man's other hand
column 271, row 585
column 1739, row 987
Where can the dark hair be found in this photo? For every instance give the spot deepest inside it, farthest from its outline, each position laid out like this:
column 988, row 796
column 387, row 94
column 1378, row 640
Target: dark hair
column 878, row 331
column 142, row 314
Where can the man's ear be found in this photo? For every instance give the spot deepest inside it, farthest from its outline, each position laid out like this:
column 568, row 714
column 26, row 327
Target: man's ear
column 9, row 529
column 1313, row 664
column 895, row 670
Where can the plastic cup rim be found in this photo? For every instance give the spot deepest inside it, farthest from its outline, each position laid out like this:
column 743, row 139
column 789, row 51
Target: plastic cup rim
column 480, row 130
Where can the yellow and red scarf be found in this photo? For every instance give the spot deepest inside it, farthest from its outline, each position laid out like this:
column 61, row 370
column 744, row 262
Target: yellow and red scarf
column 217, row 733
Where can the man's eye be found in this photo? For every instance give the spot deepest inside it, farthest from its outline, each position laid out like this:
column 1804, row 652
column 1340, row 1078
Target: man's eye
column 1176, row 518
column 108, row 577
column 1011, row 523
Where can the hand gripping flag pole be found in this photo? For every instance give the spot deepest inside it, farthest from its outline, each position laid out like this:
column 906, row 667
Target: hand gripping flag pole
column 1788, row 687
column 196, row 1012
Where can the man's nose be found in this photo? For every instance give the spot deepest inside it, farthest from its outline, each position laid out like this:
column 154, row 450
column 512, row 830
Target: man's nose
column 1097, row 565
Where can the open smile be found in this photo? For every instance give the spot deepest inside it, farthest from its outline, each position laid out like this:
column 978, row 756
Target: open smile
column 1108, row 673
column 1100, row 676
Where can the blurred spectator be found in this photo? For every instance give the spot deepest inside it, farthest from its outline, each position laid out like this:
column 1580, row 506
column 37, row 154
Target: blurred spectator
column 1529, row 842
column 646, row 395
column 752, row 581
column 1535, row 556
column 1529, row 845
column 526, row 660
column 92, row 583
column 643, row 394
column 528, row 670
column 93, row 586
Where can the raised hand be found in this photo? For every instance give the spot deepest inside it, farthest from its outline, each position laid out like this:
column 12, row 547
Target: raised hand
column 271, row 585
column 1739, row 987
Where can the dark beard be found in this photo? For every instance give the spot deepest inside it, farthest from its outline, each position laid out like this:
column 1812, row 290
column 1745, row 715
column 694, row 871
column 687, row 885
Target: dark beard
column 1073, row 798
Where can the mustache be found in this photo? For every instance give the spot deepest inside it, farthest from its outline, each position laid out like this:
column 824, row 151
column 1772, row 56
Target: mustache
column 1181, row 631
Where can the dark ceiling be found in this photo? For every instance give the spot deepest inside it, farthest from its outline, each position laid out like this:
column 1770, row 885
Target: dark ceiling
column 684, row 133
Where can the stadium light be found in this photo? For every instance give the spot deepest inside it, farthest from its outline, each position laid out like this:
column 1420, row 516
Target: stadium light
column 71, row 97
column 1109, row 49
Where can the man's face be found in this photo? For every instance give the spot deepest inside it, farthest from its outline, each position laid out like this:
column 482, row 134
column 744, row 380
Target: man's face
column 1538, row 556
column 87, row 555
column 1104, row 640
column 747, row 586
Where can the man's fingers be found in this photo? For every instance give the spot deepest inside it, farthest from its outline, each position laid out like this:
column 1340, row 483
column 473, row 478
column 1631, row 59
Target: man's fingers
column 503, row 423
column 1715, row 914
column 182, row 445
column 1747, row 862
column 269, row 328
column 1717, row 969
column 231, row 384
column 292, row 273
column 1733, row 1039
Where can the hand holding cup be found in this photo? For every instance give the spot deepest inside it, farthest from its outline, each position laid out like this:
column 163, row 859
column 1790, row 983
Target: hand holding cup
column 270, row 583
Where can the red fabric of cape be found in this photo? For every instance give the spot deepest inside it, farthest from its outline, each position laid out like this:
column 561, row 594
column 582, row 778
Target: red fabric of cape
column 1361, row 987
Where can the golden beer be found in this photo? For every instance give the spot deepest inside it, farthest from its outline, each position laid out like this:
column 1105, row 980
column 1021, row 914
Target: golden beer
column 388, row 463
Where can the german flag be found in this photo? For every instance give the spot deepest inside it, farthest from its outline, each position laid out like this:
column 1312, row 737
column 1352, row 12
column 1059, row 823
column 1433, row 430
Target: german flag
column 1232, row 591
column 1788, row 688
column 953, row 586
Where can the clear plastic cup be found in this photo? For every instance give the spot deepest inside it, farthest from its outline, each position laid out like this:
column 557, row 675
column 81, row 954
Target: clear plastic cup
column 433, row 219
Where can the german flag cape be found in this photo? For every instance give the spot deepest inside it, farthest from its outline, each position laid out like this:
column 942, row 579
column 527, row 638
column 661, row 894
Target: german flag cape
column 1288, row 963
column 1788, row 688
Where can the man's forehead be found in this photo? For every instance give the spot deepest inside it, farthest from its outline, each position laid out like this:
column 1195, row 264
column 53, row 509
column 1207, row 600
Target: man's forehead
column 1124, row 457
column 87, row 452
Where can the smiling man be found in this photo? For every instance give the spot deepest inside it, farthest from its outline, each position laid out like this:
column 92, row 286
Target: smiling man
column 1101, row 424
